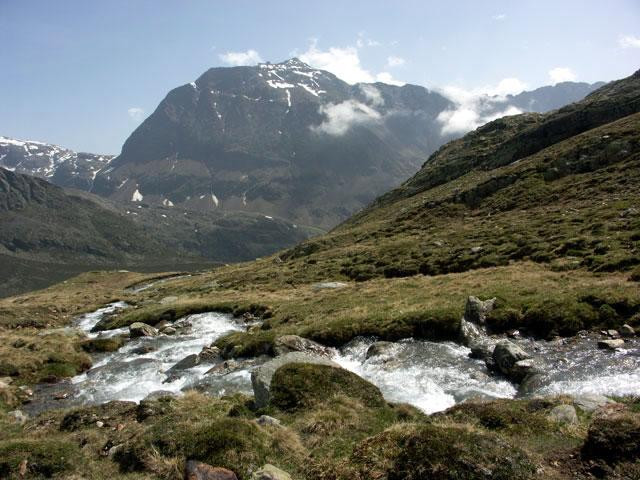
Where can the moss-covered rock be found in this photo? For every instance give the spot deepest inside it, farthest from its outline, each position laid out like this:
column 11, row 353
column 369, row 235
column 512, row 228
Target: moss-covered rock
column 109, row 344
column 302, row 385
column 419, row 451
column 614, row 437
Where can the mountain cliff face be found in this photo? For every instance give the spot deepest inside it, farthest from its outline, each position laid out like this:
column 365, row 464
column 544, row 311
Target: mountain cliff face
column 280, row 139
column 58, row 165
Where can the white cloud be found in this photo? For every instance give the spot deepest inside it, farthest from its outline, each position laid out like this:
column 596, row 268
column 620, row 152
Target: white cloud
column 344, row 63
column 629, row 41
column 373, row 95
column 236, row 59
column 499, row 17
column 340, row 117
column 136, row 113
column 364, row 41
column 394, row 61
column 477, row 106
column 561, row 74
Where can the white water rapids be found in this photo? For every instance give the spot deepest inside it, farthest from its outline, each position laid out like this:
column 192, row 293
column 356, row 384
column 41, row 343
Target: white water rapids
column 432, row 376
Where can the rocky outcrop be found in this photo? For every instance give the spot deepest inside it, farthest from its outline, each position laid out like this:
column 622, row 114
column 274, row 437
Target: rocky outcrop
column 261, row 377
column 476, row 310
column 293, row 343
column 270, row 472
column 139, row 329
column 591, row 402
column 201, row 471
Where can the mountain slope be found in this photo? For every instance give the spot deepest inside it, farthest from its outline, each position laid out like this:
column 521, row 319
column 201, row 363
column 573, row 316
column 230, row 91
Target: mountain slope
column 552, row 97
column 58, row 165
column 560, row 189
column 48, row 234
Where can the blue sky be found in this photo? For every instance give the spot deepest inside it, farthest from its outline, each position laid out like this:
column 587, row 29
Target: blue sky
column 83, row 74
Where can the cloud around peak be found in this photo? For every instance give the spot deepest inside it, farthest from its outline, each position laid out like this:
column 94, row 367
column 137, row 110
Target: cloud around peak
column 561, row 74
column 237, row 59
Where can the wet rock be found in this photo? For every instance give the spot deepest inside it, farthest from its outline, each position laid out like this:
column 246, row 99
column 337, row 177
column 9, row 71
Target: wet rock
column 169, row 331
column 267, row 420
column 143, row 349
column 162, row 324
column 564, row 414
column 18, row 416
column 532, row 382
column 613, row 333
column 209, row 354
column 294, row 343
column 506, row 356
column 476, row 310
column 195, row 470
column 591, row 402
column 611, row 344
column 627, row 331
column 270, row 472
column 187, row 362
column 378, row 349
column 139, row 329
column 224, row 368
column 261, row 377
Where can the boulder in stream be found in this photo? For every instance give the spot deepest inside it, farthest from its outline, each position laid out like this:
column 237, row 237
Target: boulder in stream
column 139, row 329
column 611, row 344
column 378, row 349
column 508, row 356
column 261, row 376
column 627, row 330
column 294, row 343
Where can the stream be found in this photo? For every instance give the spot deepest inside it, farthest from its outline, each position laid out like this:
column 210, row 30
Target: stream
column 432, row 376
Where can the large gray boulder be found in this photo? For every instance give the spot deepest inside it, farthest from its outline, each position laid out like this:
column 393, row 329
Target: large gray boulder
column 611, row 344
column 293, row 343
column 509, row 358
column 476, row 310
column 261, row 376
column 590, row 402
column 379, row 348
column 139, row 329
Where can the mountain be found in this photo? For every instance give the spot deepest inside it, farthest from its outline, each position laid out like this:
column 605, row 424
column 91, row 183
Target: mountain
column 552, row 97
column 281, row 139
column 48, row 233
column 56, row 164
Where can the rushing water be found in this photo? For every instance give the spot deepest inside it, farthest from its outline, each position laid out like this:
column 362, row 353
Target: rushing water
column 430, row 375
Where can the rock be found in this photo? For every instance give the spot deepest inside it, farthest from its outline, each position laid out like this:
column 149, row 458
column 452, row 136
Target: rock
column 223, row 368
column 482, row 351
column 378, row 349
column 187, row 362
column 261, row 376
column 627, row 330
column 169, row 331
column 18, row 416
column 530, row 384
column 613, row 333
column 267, row 420
column 294, row 343
column 505, row 355
column 210, row 354
column 99, row 424
column 195, row 470
column 476, row 310
column 564, row 414
column 142, row 349
column 523, row 368
column 139, row 329
column 329, row 285
column 591, row 402
column 162, row 324
column 614, row 438
column 269, row 472
column 610, row 344
column 475, row 249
